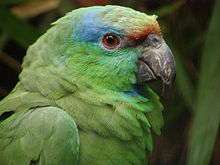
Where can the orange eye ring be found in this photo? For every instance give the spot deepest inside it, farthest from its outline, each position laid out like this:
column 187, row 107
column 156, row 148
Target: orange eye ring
column 111, row 41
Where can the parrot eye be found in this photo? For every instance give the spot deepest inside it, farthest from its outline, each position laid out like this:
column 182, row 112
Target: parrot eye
column 111, row 41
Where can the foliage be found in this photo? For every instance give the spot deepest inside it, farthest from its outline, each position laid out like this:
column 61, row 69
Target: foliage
column 207, row 115
column 20, row 31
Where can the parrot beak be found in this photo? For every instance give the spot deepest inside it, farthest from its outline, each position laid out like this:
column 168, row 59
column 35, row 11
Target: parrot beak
column 156, row 61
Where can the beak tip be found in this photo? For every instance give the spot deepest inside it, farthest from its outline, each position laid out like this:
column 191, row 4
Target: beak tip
column 169, row 75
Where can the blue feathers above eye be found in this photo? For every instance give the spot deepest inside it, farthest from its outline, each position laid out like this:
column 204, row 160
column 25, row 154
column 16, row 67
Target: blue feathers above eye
column 92, row 29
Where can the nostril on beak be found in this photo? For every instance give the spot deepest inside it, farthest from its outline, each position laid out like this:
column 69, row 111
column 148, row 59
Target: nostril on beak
column 154, row 40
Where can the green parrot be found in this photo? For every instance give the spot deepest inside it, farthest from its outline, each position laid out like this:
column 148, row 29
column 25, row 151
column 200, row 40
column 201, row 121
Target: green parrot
column 83, row 95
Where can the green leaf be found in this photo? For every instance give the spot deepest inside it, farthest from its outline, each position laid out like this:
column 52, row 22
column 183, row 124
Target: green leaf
column 207, row 115
column 17, row 29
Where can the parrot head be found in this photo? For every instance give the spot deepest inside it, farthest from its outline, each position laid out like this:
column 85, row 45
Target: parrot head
column 110, row 47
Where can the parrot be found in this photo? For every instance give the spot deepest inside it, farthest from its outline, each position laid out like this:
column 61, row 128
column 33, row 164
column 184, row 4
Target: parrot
column 84, row 96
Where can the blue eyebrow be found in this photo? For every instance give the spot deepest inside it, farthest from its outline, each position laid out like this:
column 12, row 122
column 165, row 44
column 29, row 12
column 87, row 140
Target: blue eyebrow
column 91, row 28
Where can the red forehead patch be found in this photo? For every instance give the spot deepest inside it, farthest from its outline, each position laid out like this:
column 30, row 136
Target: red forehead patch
column 149, row 29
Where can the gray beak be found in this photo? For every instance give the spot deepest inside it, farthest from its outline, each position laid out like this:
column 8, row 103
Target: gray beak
column 156, row 61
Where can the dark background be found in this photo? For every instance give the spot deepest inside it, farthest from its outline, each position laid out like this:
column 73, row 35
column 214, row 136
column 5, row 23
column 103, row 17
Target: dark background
column 191, row 129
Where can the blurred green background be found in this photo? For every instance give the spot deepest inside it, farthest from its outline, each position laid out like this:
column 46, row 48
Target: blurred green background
column 192, row 29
